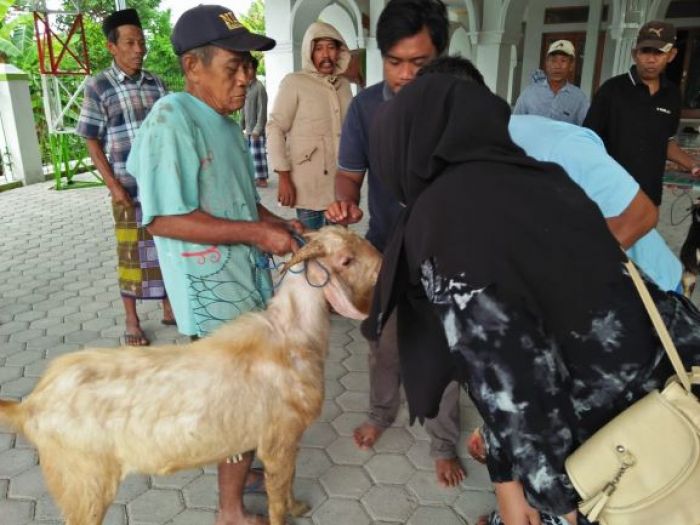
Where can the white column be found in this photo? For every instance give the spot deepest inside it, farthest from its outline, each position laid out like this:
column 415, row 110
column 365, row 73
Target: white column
column 590, row 52
column 374, row 57
column 624, row 32
column 280, row 60
column 493, row 59
column 17, row 122
column 533, row 42
column 624, row 45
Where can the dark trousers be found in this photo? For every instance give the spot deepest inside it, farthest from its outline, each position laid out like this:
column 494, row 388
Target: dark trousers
column 385, row 398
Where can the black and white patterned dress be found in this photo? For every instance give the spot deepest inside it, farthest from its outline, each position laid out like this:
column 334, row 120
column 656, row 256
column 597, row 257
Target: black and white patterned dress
column 541, row 395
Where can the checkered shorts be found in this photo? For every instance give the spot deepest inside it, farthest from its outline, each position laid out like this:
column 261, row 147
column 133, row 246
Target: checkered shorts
column 259, row 153
column 138, row 268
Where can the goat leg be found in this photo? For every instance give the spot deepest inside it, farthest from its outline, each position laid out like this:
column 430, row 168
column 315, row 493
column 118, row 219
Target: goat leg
column 279, row 476
column 295, row 507
column 82, row 485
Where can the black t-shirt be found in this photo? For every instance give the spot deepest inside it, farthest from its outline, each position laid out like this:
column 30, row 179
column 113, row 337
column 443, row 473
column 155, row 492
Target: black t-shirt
column 636, row 126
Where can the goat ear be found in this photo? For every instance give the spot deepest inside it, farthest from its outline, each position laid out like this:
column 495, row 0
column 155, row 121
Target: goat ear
column 339, row 297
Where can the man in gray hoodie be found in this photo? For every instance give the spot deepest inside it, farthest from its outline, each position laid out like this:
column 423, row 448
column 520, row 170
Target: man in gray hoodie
column 253, row 121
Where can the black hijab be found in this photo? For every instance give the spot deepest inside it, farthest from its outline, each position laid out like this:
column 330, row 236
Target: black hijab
column 477, row 206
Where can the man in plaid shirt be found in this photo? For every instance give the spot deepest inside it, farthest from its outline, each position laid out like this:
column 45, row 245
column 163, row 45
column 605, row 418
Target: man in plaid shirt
column 116, row 102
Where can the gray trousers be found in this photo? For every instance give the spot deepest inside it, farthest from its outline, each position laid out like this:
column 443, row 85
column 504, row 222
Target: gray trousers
column 384, row 396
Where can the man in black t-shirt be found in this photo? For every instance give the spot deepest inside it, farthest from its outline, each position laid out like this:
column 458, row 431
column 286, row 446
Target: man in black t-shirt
column 637, row 113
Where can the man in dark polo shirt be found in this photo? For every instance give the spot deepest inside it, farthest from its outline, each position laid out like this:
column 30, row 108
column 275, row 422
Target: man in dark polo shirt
column 637, row 113
column 410, row 33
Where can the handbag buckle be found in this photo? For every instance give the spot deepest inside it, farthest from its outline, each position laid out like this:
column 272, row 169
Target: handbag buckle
column 609, row 488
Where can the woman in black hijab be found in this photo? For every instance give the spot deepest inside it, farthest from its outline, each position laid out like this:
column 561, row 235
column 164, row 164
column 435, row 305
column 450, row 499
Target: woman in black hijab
column 506, row 278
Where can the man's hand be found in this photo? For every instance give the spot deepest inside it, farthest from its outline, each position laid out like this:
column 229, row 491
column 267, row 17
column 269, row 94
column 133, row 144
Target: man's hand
column 695, row 170
column 286, row 193
column 119, row 194
column 296, row 226
column 344, row 212
column 276, row 239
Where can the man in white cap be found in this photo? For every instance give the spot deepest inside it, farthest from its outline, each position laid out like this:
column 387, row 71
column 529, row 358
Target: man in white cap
column 554, row 96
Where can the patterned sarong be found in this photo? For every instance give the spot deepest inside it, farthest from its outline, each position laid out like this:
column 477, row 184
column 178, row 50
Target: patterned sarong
column 259, row 153
column 138, row 269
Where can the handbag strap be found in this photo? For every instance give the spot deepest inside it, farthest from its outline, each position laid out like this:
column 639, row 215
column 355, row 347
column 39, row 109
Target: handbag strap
column 659, row 325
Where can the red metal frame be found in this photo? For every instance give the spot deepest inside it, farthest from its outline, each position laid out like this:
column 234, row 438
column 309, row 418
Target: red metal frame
column 50, row 59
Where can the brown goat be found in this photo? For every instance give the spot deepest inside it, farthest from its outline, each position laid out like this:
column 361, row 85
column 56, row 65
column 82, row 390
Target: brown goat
column 254, row 384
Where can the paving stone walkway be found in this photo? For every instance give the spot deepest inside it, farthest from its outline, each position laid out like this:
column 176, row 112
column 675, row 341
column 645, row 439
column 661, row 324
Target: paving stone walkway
column 58, row 294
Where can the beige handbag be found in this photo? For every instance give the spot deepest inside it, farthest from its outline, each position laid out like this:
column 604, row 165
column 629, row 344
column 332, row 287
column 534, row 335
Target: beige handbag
column 643, row 467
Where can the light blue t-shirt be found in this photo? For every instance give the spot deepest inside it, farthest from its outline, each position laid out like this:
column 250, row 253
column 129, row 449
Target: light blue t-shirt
column 186, row 157
column 582, row 155
column 569, row 104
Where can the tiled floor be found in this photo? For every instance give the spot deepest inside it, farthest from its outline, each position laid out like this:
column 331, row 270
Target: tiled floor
column 58, row 289
column 59, row 294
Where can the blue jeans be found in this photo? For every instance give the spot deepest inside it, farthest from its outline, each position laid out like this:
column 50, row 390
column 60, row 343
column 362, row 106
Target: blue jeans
column 311, row 219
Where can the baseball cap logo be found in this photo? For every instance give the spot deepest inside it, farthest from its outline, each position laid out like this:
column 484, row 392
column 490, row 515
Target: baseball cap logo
column 656, row 31
column 230, row 20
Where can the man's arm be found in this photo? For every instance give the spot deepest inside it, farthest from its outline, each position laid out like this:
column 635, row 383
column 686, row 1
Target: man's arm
column 200, row 227
column 677, row 155
column 352, row 165
column 279, row 124
column 346, row 209
column 635, row 221
column 99, row 159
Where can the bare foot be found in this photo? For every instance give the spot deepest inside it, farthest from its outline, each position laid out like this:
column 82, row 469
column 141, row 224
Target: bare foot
column 476, row 446
column 449, row 472
column 483, row 520
column 366, row 435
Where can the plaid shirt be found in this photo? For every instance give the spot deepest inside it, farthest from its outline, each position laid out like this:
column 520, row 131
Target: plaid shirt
column 113, row 109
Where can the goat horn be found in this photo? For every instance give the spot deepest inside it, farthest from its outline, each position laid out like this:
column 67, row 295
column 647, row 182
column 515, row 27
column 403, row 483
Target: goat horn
column 313, row 250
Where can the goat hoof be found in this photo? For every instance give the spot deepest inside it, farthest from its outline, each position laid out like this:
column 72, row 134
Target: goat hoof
column 298, row 509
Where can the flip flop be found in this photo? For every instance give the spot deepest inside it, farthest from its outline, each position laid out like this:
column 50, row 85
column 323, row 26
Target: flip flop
column 257, row 486
column 138, row 339
column 169, row 322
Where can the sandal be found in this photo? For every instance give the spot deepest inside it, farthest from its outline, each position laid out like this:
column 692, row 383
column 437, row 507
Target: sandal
column 169, row 322
column 136, row 339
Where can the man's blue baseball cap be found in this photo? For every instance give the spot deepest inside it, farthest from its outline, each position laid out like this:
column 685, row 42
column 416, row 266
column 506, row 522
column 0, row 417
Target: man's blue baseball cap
column 215, row 25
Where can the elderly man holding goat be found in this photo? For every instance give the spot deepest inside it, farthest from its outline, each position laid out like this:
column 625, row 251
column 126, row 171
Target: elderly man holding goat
column 255, row 382
column 199, row 200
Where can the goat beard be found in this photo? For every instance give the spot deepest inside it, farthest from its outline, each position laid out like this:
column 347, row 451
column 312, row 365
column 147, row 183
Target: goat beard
column 339, row 298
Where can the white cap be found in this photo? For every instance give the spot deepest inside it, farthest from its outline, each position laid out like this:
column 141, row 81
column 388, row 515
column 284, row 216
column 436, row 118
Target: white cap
column 562, row 46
